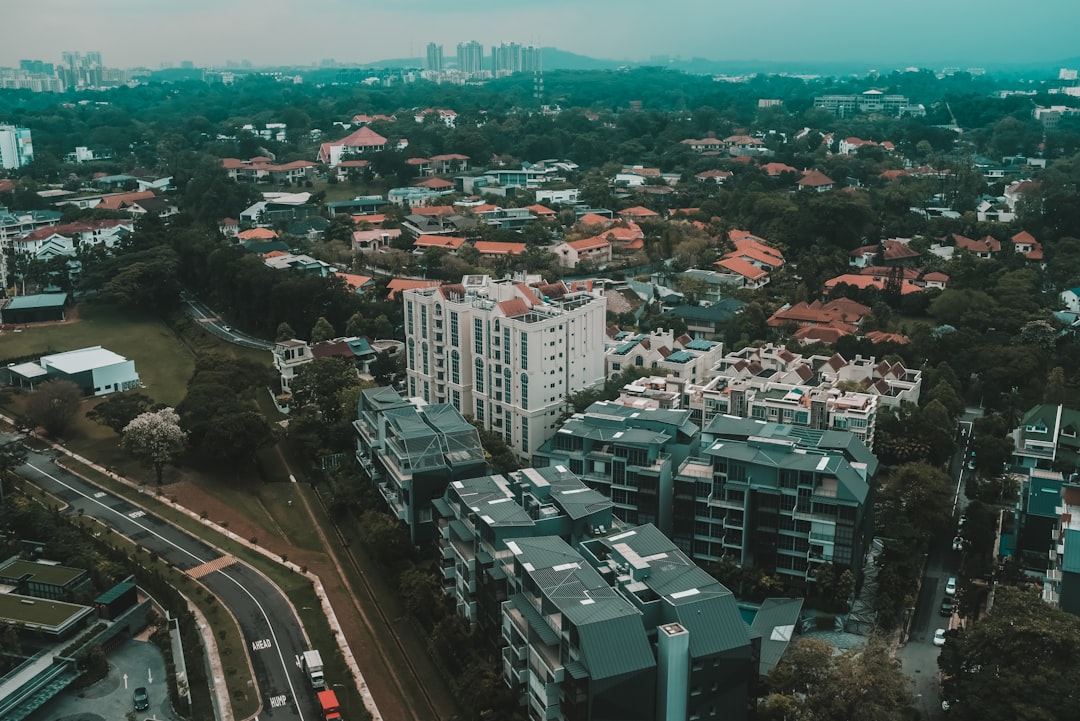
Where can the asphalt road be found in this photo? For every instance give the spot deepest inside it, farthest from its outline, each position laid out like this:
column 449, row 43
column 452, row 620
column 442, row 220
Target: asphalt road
column 919, row 655
column 210, row 320
column 269, row 625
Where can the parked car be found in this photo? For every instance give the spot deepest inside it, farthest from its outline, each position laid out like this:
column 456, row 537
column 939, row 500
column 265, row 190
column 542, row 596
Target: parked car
column 141, row 699
column 939, row 637
column 958, row 543
column 950, row 586
column 946, row 607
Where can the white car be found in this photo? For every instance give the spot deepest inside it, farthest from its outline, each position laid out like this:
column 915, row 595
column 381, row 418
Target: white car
column 958, row 543
column 950, row 586
column 939, row 637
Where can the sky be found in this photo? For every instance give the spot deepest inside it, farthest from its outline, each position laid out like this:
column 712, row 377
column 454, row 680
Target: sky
column 923, row 33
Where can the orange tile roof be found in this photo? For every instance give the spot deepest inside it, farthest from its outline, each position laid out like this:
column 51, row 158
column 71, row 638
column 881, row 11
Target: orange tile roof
column 438, row 241
column 514, row 307
column 774, row 169
column 354, row 282
column 257, row 234
column 815, row 179
column 594, row 219
column 434, row 184
column 417, row 161
column 432, row 210
column 741, row 267
column 866, row 281
column 275, row 254
column 490, row 247
column 450, row 156
column 540, row 210
column 754, row 253
column 588, row 243
column 121, row 200
column 396, row 285
column 638, row 211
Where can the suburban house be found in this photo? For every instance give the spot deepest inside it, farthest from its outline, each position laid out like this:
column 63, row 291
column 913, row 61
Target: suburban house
column 447, row 242
column 714, row 176
column 841, row 315
column 494, row 250
column 262, row 169
column 360, row 142
column 596, row 250
column 815, row 180
column 985, row 248
column 376, row 239
column 449, row 163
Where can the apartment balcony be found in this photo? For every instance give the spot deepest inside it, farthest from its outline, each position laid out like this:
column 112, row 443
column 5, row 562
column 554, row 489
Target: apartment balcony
column 826, row 538
column 1054, row 575
column 716, row 502
column 449, row 573
column 393, row 501
column 801, row 515
column 447, row 551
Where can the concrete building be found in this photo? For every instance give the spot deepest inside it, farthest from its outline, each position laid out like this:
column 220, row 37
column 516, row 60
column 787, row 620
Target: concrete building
column 95, row 370
column 478, row 517
column 778, row 498
column 628, row 628
column 630, row 455
column 871, row 101
column 505, row 352
column 16, row 147
column 412, row 450
column 1048, row 437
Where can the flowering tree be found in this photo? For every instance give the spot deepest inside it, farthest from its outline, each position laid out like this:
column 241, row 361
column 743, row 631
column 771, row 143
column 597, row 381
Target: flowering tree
column 155, row 438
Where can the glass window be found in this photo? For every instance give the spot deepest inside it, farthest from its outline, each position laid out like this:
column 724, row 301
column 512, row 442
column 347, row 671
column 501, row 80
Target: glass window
column 524, row 351
column 454, row 328
column 455, row 367
column 409, row 316
column 506, row 384
column 525, row 391
column 480, row 409
column 424, row 353
column 478, row 335
column 423, row 321
column 479, row 375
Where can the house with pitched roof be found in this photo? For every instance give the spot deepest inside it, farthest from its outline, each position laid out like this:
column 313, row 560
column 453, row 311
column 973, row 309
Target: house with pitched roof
column 449, row 163
column 842, row 315
column 596, row 250
column 496, row 250
column 374, row 239
column 448, row 242
column 713, row 176
column 360, row 142
column 985, row 248
column 1048, row 437
column 816, row 180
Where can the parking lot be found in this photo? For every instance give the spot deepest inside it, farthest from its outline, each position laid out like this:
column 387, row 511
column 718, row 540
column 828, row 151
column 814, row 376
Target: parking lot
column 132, row 665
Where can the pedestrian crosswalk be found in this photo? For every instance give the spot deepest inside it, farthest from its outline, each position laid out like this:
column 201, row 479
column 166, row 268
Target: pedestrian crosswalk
column 210, row 566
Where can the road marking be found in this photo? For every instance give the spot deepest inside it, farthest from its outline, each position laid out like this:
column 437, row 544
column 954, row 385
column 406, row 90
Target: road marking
column 261, row 645
column 266, row 618
column 136, row 514
column 210, row 566
column 278, row 701
column 99, row 494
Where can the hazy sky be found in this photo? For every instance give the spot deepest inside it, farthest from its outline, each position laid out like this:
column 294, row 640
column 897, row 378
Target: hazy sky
column 908, row 32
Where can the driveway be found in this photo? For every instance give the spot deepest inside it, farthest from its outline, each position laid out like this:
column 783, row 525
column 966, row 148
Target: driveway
column 133, row 664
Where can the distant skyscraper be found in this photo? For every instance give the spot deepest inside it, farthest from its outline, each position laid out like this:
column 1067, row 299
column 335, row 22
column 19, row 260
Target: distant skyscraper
column 514, row 58
column 16, row 148
column 470, row 57
column 434, row 57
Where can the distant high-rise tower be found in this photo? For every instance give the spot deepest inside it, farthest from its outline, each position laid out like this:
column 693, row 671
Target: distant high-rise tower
column 470, row 57
column 434, row 57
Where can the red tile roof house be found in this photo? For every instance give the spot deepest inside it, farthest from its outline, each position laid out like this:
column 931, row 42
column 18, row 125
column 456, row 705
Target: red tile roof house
column 638, row 212
column 842, row 314
column 495, row 250
column 744, row 274
column 420, row 166
column 362, row 141
column 985, row 248
column 449, row 164
column 775, row 169
column 596, row 250
column 935, row 280
column 1025, row 244
column 357, row 283
column 704, row 145
column 863, row 256
column 745, row 145
column 716, row 176
column 348, row 167
column 449, row 242
column 434, row 184
column 816, row 180
column 542, row 212
column 907, row 287
column 897, row 252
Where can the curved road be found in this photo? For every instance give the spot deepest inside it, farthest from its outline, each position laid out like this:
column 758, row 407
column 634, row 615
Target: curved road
column 273, row 634
column 204, row 315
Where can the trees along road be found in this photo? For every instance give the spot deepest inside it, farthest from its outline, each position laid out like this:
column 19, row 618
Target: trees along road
column 272, row 633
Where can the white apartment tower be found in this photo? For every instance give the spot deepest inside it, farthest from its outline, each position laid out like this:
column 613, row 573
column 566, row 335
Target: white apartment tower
column 505, row 352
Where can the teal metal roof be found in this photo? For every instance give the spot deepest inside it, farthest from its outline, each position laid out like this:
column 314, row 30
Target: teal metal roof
column 700, row 344
column 714, row 623
column 615, row 647
column 775, row 621
column 1044, row 497
column 115, row 592
column 680, row 356
column 41, row 300
column 534, row 619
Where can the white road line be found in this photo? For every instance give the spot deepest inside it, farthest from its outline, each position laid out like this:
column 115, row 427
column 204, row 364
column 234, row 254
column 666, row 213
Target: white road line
column 296, row 701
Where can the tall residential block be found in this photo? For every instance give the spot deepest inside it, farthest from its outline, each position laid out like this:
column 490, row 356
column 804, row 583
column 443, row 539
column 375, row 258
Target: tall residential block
column 434, row 60
column 777, row 497
column 16, row 147
column 505, row 352
column 412, row 451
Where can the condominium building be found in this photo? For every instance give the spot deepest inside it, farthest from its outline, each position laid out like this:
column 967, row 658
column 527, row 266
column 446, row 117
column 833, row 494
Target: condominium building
column 772, row 383
column 470, row 57
column 681, row 357
column 412, row 450
column 478, row 517
column 434, row 58
column 629, row 628
column 505, row 352
column 871, row 101
column 776, row 497
column 16, row 147
column 628, row 454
